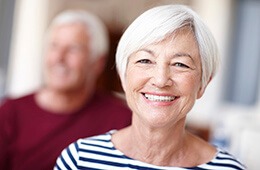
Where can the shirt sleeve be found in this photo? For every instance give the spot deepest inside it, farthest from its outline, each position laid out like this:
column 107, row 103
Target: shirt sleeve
column 68, row 160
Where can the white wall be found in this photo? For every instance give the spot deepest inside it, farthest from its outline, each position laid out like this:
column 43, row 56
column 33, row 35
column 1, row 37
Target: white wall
column 211, row 110
column 24, row 73
column 217, row 14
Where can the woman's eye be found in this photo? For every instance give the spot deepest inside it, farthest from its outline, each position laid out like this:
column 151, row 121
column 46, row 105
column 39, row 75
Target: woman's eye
column 144, row 61
column 181, row 65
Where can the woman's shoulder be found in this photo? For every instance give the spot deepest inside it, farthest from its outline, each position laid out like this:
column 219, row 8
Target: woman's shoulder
column 213, row 156
column 85, row 148
column 97, row 141
column 105, row 137
column 224, row 159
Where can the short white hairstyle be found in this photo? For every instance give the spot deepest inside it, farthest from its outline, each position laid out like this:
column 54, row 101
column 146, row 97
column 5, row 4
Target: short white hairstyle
column 95, row 29
column 159, row 22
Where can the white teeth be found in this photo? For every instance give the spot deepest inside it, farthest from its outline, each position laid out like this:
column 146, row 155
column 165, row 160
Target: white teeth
column 159, row 98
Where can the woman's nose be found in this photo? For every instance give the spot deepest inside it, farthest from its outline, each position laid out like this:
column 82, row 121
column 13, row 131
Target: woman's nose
column 162, row 77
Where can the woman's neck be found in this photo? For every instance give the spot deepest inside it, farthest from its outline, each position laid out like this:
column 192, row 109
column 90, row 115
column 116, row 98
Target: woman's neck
column 155, row 146
column 162, row 147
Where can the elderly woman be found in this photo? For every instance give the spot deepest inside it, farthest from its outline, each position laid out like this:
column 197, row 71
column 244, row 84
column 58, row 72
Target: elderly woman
column 165, row 60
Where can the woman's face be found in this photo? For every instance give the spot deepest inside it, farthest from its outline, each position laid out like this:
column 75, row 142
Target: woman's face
column 163, row 80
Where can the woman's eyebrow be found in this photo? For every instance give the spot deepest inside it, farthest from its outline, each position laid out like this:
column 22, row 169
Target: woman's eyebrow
column 182, row 55
column 146, row 50
column 175, row 55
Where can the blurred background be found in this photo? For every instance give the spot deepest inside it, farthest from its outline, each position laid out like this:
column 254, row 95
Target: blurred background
column 228, row 115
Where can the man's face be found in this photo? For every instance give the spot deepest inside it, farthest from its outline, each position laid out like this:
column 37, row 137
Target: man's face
column 68, row 64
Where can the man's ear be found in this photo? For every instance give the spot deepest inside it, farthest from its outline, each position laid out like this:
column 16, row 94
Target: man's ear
column 203, row 88
column 99, row 65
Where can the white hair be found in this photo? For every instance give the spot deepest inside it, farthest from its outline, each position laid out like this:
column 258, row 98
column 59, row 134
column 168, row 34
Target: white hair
column 95, row 29
column 159, row 22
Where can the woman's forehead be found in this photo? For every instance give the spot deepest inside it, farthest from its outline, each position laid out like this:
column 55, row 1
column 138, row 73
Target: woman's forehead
column 183, row 39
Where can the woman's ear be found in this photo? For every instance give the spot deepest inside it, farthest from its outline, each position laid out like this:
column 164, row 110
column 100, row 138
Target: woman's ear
column 203, row 88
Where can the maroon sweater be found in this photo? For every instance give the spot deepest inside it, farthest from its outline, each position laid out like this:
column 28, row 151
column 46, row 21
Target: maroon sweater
column 32, row 138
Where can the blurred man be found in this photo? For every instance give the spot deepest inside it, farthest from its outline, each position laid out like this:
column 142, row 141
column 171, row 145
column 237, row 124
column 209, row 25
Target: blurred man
column 35, row 128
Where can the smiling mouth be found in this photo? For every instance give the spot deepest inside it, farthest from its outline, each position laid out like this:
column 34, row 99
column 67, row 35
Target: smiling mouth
column 158, row 98
column 60, row 70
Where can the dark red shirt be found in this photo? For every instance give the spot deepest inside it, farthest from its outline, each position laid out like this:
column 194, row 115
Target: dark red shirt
column 33, row 138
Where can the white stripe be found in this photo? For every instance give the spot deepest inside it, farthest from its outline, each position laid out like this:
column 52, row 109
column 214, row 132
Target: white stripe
column 60, row 164
column 101, row 143
column 117, row 160
column 223, row 161
column 101, row 166
column 74, row 153
column 212, row 167
column 100, row 148
column 101, row 137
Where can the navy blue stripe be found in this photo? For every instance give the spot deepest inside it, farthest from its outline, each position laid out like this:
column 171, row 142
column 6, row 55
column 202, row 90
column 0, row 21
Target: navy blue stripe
column 64, row 162
column 57, row 167
column 96, row 145
column 142, row 167
column 101, row 140
column 231, row 159
column 196, row 168
column 224, row 165
column 224, row 152
column 70, row 154
column 89, row 168
column 225, row 158
column 116, row 164
column 100, row 153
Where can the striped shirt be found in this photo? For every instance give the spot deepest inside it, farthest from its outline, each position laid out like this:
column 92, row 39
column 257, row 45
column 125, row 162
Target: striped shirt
column 98, row 152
